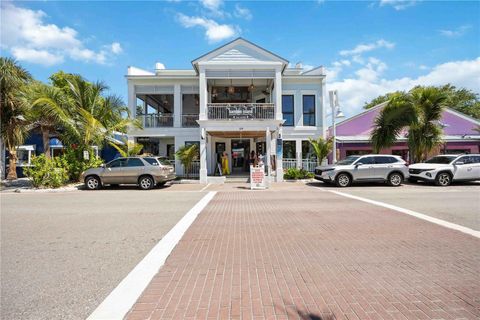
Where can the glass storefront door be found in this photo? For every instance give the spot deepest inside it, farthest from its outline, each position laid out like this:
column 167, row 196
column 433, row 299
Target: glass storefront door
column 240, row 152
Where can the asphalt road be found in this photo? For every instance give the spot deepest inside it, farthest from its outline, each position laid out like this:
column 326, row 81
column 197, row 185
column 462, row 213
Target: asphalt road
column 458, row 203
column 63, row 253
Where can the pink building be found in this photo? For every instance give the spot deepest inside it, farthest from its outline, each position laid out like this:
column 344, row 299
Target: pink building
column 353, row 134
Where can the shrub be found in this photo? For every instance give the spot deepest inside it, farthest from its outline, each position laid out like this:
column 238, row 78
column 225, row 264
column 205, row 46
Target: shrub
column 295, row 173
column 75, row 164
column 44, row 172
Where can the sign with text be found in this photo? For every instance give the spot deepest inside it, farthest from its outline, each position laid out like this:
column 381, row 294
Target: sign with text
column 257, row 178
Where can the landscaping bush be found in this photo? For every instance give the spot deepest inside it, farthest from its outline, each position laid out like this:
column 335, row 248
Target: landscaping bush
column 44, row 172
column 295, row 174
column 75, row 164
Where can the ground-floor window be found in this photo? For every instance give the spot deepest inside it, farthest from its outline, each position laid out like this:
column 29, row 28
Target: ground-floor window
column 289, row 149
column 171, row 151
column 307, row 151
column 357, row 152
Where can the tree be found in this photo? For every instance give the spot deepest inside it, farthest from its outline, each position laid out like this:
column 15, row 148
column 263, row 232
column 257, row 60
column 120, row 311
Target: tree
column 460, row 99
column 128, row 148
column 321, row 148
column 14, row 113
column 418, row 112
column 186, row 155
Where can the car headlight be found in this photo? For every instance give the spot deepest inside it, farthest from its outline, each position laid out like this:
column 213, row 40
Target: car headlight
column 428, row 174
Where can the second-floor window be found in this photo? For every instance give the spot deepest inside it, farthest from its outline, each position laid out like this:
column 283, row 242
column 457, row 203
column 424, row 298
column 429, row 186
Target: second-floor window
column 309, row 110
column 288, row 110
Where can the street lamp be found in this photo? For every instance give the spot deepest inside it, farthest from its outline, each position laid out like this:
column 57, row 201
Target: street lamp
column 336, row 114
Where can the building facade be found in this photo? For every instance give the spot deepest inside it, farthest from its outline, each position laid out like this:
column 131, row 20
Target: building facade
column 236, row 99
column 460, row 134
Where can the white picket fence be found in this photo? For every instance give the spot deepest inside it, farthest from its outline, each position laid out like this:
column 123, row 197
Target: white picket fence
column 308, row 165
column 193, row 172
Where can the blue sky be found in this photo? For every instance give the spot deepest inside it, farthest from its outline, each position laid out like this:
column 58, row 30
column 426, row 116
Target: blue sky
column 368, row 48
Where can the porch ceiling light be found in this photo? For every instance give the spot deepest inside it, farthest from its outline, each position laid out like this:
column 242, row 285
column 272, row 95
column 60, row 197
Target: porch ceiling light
column 251, row 87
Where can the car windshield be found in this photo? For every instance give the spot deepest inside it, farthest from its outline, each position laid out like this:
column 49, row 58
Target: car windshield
column 348, row 160
column 164, row 162
column 441, row 159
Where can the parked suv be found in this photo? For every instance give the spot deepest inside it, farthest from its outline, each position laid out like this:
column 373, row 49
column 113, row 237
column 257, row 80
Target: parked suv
column 146, row 172
column 374, row 167
column 443, row 169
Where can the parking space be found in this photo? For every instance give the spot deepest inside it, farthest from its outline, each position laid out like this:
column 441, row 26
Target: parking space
column 63, row 253
column 458, row 203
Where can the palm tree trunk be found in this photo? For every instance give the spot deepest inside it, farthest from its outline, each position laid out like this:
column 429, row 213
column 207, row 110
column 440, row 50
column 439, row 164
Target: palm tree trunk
column 12, row 165
column 46, row 141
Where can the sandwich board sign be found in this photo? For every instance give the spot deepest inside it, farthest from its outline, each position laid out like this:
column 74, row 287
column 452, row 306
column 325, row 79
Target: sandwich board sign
column 257, row 178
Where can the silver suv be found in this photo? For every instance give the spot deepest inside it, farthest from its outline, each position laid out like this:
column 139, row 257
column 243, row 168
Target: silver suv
column 146, row 172
column 372, row 167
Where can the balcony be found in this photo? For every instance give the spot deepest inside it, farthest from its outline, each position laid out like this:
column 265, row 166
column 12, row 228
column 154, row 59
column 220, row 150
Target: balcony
column 190, row 120
column 240, row 111
column 155, row 120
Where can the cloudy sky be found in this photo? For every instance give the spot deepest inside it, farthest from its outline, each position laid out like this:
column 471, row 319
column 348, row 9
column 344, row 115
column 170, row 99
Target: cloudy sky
column 368, row 48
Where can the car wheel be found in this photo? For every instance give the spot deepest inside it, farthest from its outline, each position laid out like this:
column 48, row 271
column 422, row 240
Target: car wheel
column 92, row 183
column 443, row 179
column 343, row 180
column 146, row 183
column 395, row 179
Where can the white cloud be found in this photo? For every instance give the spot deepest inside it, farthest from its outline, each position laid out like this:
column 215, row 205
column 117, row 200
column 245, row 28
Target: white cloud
column 29, row 38
column 398, row 4
column 214, row 31
column 458, row 32
column 212, row 4
column 241, row 12
column 361, row 48
column 368, row 84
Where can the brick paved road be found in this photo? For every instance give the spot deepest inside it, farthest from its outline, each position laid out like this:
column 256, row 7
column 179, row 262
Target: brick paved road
column 313, row 255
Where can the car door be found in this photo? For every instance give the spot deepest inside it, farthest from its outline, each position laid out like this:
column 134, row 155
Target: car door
column 113, row 173
column 383, row 166
column 476, row 167
column 364, row 169
column 135, row 167
column 465, row 168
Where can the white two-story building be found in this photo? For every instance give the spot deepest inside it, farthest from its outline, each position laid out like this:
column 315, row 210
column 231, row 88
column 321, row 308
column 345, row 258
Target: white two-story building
column 237, row 98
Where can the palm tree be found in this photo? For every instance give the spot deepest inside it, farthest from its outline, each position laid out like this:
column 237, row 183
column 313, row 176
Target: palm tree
column 186, row 155
column 129, row 148
column 321, row 148
column 13, row 80
column 419, row 112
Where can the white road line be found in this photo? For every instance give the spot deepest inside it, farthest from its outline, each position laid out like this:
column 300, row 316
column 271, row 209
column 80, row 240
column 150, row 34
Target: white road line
column 208, row 185
column 123, row 297
column 419, row 215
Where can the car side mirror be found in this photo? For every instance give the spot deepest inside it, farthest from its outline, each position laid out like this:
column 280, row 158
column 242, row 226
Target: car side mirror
column 459, row 163
column 358, row 164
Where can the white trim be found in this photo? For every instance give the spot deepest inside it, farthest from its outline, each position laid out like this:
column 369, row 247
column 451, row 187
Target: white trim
column 415, row 214
column 124, row 296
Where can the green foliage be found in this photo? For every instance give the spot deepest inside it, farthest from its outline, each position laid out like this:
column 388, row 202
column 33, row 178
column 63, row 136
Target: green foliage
column 295, row 174
column 186, row 155
column 47, row 173
column 460, row 99
column 75, row 164
column 417, row 111
column 128, row 149
column 321, row 148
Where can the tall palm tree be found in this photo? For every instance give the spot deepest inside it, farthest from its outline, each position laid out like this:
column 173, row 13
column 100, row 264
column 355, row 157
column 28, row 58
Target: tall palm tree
column 321, row 148
column 128, row 148
column 13, row 80
column 418, row 112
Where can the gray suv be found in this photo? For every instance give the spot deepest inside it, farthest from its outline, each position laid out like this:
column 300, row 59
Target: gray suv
column 146, row 172
column 372, row 167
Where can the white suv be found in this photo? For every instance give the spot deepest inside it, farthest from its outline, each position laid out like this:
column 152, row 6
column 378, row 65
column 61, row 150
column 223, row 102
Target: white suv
column 443, row 169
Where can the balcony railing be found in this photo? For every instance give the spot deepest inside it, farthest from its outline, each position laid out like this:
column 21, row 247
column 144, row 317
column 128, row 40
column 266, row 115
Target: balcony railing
column 156, row 120
column 189, row 120
column 240, row 111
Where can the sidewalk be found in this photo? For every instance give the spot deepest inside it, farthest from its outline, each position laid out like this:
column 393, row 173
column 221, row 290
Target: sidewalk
column 313, row 255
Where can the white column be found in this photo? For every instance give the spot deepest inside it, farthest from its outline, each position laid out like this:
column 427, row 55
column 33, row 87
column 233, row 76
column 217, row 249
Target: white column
column 278, row 94
column 279, row 173
column 203, row 155
column 177, row 106
column 203, row 94
column 298, row 150
column 268, row 153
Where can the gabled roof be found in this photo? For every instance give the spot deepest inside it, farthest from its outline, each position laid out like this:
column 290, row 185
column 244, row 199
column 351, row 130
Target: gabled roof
column 229, row 50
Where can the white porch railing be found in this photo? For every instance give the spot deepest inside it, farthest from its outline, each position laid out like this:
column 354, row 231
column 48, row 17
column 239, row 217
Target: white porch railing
column 309, row 165
column 193, row 170
column 156, row 120
column 190, row 120
column 240, row 111
column 288, row 163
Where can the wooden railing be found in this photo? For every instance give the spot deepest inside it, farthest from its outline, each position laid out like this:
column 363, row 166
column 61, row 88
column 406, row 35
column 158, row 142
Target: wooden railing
column 240, row 111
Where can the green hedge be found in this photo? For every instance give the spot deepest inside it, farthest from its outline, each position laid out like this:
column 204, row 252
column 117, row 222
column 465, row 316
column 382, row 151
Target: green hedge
column 295, row 174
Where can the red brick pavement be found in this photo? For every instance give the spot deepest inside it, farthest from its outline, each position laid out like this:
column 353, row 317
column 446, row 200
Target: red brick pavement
column 313, row 255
